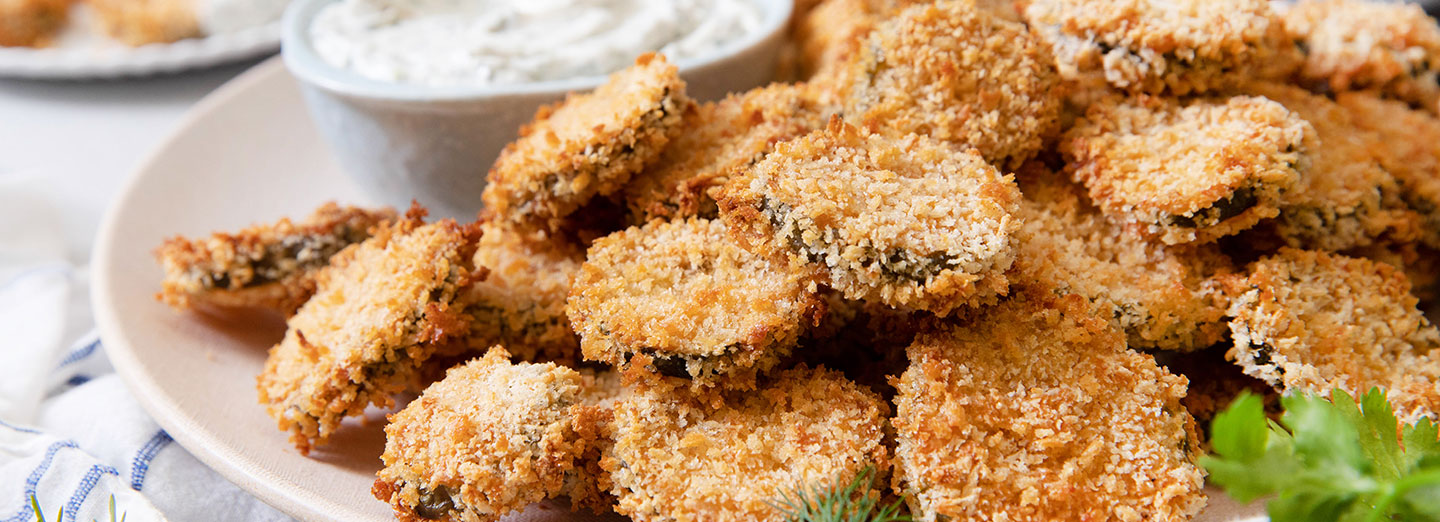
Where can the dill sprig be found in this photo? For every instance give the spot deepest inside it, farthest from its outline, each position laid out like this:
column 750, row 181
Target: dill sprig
column 836, row 504
column 60, row 513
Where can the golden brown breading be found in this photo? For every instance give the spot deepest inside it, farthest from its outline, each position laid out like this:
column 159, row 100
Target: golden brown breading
column 1151, row 46
column 264, row 266
column 1420, row 264
column 1390, row 47
column 678, row 458
column 491, row 438
column 717, row 140
column 521, row 302
column 908, row 222
column 1159, row 295
column 380, row 310
column 1347, row 199
column 141, row 22
column 1189, row 171
column 956, row 73
column 681, row 299
column 31, row 23
column 1409, row 147
column 588, row 145
column 1314, row 321
column 1034, row 411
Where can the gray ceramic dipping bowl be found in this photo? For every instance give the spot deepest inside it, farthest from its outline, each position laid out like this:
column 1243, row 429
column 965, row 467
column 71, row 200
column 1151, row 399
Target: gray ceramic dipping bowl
column 435, row 144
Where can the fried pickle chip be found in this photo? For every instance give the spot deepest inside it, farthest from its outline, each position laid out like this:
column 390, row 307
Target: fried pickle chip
column 908, row 222
column 957, row 73
column 263, row 266
column 1189, row 171
column 141, row 22
column 1150, row 46
column 380, row 310
column 521, row 302
column 491, row 438
column 1347, row 199
column 31, row 23
column 1161, row 296
column 1032, row 410
column 1409, row 147
column 588, row 145
column 1315, row 321
column 679, row 458
column 682, row 299
column 716, row 141
column 1389, row 47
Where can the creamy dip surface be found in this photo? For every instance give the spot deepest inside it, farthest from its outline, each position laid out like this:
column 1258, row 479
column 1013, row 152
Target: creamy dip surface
column 490, row 42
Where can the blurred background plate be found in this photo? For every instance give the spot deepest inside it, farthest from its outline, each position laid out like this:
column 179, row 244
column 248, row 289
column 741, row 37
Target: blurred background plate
column 82, row 53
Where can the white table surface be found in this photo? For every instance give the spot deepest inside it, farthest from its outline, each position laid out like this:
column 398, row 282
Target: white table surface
column 76, row 142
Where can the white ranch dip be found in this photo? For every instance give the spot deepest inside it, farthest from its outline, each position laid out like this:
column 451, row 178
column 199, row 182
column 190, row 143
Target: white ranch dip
column 486, row 42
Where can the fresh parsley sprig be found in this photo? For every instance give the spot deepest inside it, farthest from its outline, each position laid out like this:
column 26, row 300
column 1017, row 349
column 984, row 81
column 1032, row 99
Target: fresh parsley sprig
column 1341, row 459
column 836, row 504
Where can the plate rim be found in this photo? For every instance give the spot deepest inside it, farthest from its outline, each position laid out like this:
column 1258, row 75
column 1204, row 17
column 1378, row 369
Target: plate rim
column 60, row 63
column 146, row 390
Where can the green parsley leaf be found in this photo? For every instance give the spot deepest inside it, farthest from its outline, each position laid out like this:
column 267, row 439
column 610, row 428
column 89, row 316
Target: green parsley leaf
column 1340, row 459
column 853, row 503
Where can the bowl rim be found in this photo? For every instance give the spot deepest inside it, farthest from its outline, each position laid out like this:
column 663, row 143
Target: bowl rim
column 307, row 65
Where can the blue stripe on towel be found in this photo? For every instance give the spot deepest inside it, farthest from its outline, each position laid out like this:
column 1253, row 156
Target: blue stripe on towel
column 27, row 513
column 80, row 353
column 141, row 463
column 20, row 429
column 86, row 485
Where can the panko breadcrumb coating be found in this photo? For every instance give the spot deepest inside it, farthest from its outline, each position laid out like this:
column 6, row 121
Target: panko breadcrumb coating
column 828, row 35
column 380, row 310
column 265, row 266
column 521, row 302
column 31, row 23
column 908, row 222
column 141, row 22
column 678, row 458
column 1189, row 171
column 491, row 438
column 959, row 74
column 715, row 142
column 1389, row 47
column 1150, row 46
column 1161, row 296
column 1409, row 147
column 682, row 299
column 588, row 145
column 1315, row 321
column 1420, row 264
column 1347, row 199
column 1033, row 410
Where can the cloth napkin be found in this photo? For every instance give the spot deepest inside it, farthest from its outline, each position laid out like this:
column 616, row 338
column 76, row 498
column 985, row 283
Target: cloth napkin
column 71, row 435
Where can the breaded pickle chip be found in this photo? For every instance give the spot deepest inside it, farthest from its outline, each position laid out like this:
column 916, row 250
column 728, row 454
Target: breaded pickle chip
column 1032, row 410
column 1390, row 47
column 491, row 438
column 521, row 302
column 588, row 145
column 682, row 299
column 908, row 222
column 956, row 73
column 716, row 141
column 828, row 35
column 1315, row 321
column 265, row 266
column 141, row 22
column 31, row 23
column 1150, row 46
column 1347, row 199
column 1409, row 147
column 1161, row 296
column 380, row 310
column 1191, row 171
column 680, row 458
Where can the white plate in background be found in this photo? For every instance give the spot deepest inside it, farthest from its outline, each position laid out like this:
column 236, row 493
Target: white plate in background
column 82, row 52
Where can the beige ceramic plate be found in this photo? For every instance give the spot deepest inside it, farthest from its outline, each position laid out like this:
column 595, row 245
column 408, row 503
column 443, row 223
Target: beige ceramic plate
column 247, row 153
